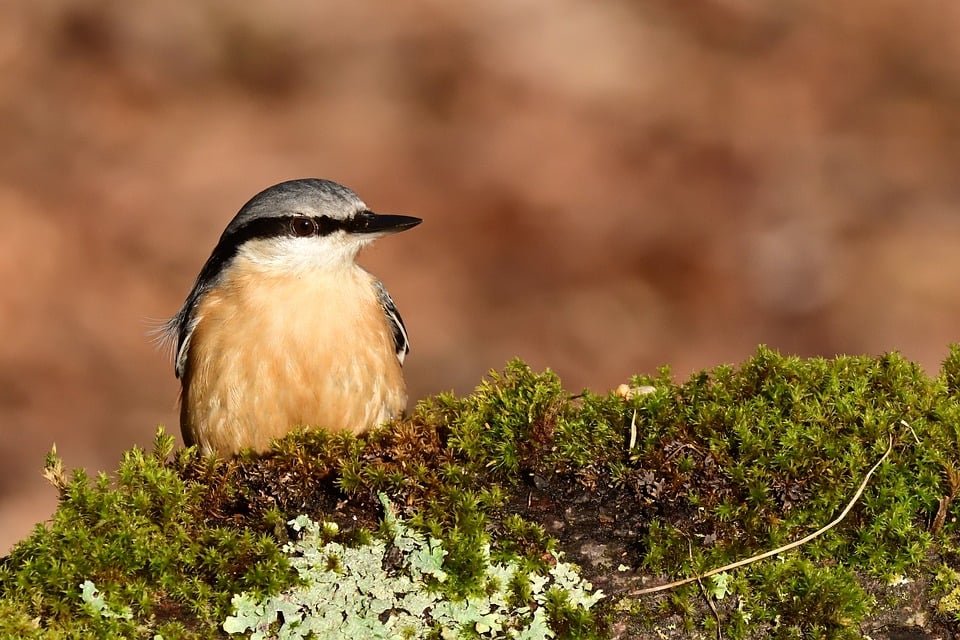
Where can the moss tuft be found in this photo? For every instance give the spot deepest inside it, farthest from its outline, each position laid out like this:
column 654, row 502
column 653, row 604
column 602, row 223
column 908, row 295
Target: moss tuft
column 142, row 546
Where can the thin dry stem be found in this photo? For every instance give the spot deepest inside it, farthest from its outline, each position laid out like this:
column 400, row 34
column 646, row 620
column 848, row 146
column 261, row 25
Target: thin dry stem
column 778, row 550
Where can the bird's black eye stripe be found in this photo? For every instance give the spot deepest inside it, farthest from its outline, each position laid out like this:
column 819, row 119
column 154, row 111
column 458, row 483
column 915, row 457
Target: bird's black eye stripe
column 296, row 226
column 359, row 222
column 280, row 226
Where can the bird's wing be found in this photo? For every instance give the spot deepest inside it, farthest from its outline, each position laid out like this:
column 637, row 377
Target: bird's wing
column 175, row 335
column 400, row 340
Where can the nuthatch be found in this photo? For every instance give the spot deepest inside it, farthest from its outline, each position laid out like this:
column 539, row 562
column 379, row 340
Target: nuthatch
column 283, row 329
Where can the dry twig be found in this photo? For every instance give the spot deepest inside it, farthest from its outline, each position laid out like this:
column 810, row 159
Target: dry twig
column 778, row 550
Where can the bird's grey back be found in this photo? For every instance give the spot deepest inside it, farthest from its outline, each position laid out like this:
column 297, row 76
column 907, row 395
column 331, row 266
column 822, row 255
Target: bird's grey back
column 311, row 196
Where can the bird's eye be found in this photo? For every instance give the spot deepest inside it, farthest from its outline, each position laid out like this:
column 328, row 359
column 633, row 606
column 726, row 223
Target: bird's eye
column 303, row 227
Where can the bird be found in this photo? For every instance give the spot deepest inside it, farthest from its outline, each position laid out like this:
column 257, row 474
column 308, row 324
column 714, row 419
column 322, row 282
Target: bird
column 283, row 329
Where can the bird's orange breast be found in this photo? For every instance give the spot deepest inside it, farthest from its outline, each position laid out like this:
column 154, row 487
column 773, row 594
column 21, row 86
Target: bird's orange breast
column 271, row 353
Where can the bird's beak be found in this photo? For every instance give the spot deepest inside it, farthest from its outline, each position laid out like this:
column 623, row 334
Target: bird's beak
column 369, row 223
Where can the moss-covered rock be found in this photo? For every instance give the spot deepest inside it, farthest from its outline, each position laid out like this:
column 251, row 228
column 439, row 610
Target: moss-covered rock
column 636, row 488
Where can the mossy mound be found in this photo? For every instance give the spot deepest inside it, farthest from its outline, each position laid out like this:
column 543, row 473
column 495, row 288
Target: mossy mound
column 637, row 489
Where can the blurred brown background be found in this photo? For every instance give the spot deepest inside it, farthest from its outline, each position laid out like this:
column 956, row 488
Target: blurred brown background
column 607, row 186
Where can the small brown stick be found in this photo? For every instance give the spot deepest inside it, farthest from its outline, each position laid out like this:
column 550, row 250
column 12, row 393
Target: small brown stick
column 778, row 550
column 686, row 445
column 953, row 480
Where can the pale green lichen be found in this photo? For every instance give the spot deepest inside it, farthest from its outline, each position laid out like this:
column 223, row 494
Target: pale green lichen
column 96, row 605
column 363, row 592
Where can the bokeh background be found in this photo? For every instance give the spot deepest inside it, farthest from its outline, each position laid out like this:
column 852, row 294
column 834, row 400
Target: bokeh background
column 607, row 187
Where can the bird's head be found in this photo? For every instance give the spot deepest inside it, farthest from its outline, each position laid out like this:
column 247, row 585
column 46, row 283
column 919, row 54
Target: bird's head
column 304, row 224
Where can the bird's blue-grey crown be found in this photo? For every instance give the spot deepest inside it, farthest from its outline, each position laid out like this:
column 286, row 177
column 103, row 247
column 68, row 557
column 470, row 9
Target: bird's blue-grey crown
column 306, row 196
column 303, row 207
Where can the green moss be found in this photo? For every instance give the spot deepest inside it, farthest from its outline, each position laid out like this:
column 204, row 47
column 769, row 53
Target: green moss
column 138, row 552
column 947, row 588
column 798, row 599
column 732, row 462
